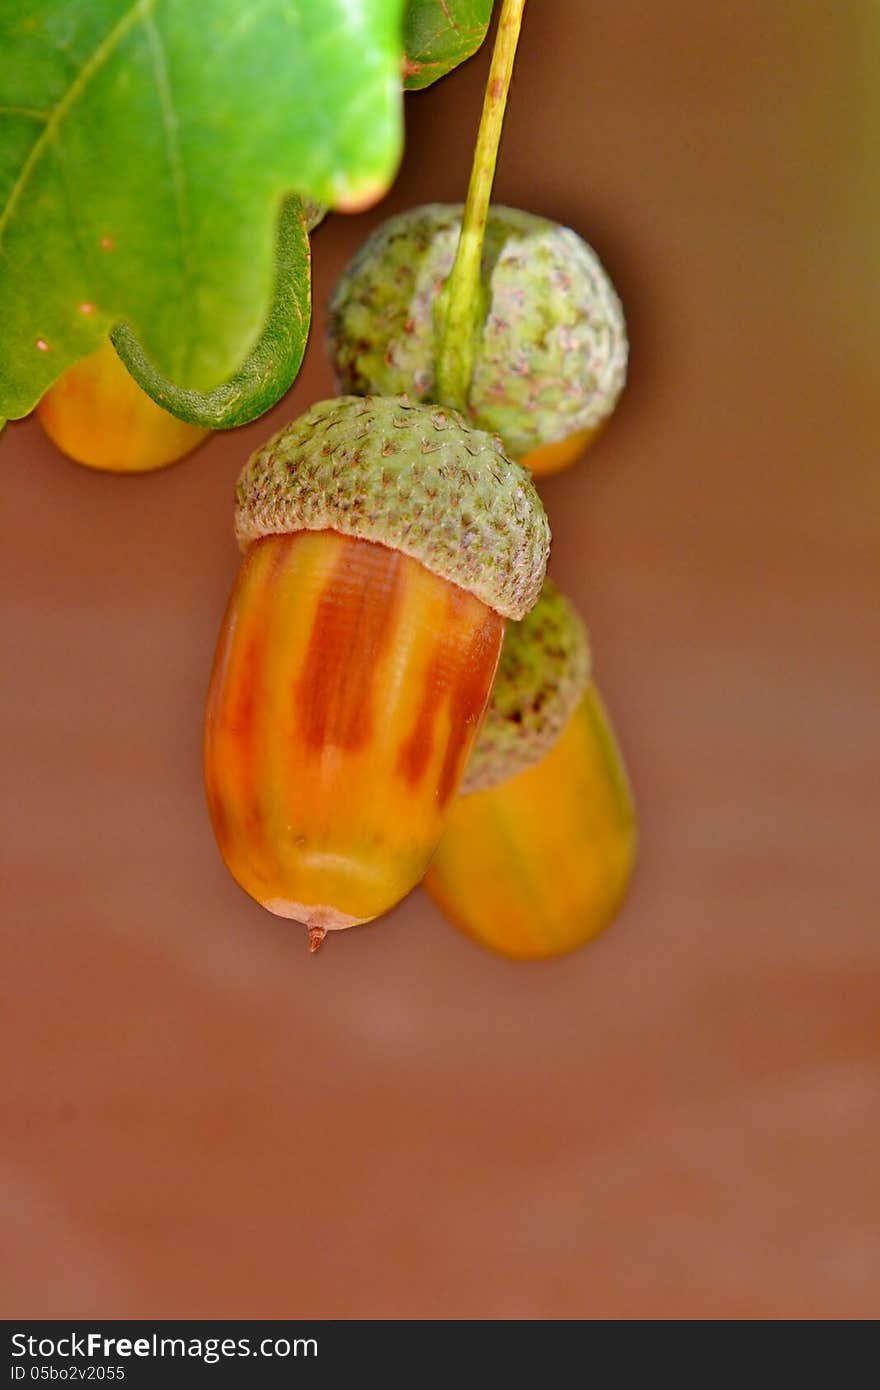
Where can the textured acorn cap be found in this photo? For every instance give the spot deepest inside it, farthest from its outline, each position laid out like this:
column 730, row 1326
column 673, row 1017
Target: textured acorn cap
column 413, row 477
column 551, row 349
column 543, row 671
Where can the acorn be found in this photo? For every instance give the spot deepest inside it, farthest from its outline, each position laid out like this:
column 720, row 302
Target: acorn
column 385, row 543
column 538, row 852
column 550, row 359
column 98, row 415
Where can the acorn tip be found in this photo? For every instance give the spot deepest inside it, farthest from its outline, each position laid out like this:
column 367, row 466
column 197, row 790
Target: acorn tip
column 316, row 937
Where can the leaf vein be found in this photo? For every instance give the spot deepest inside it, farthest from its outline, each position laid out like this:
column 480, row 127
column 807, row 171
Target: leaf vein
column 93, row 64
column 171, row 127
column 30, row 111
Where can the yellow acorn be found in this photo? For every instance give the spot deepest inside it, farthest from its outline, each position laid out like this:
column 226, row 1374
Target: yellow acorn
column 98, row 415
column 384, row 545
column 538, row 852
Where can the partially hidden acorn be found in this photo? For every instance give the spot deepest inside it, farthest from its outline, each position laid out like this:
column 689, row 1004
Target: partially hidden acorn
column 538, row 852
column 98, row 415
column 551, row 350
column 385, row 543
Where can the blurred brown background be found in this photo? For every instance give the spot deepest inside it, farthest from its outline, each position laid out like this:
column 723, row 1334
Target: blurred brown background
column 681, row 1121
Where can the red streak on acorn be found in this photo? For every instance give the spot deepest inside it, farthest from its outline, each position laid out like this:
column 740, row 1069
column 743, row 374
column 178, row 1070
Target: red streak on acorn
column 358, row 604
column 455, row 677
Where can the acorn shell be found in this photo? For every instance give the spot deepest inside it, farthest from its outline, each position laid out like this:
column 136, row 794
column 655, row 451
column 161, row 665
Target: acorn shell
column 543, row 672
column 551, row 353
column 416, row 478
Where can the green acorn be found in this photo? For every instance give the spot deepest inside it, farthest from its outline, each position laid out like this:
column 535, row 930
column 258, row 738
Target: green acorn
column 551, row 350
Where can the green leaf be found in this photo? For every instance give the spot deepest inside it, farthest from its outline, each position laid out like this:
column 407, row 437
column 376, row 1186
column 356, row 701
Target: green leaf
column 146, row 149
column 440, row 34
column 272, row 363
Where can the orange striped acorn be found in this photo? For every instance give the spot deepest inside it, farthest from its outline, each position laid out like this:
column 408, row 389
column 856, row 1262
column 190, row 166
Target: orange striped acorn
column 98, row 415
column 538, row 852
column 384, row 545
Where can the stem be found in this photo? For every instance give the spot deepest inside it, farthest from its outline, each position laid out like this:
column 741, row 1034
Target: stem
column 463, row 308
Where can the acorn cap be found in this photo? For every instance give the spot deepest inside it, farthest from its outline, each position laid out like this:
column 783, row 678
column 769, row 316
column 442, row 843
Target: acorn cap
column 543, row 671
column 551, row 348
column 415, row 478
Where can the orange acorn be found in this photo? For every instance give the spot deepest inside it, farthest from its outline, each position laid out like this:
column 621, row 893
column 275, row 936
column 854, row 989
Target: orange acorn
column 538, row 852
column 384, row 545
column 98, row 415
